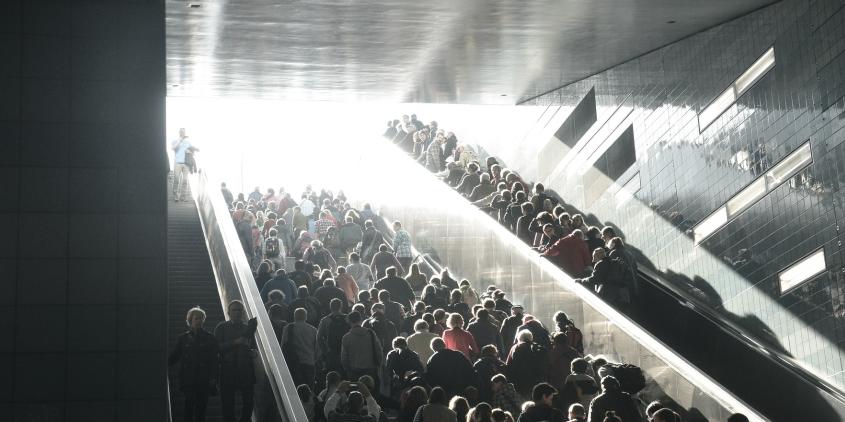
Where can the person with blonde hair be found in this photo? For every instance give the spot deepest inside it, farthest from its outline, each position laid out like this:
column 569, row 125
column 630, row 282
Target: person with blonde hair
column 457, row 338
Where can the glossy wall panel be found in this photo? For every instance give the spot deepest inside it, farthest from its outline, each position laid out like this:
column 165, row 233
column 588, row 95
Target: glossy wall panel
column 683, row 174
column 80, row 333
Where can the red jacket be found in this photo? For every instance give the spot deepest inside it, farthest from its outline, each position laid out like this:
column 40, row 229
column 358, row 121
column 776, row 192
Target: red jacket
column 571, row 254
column 462, row 341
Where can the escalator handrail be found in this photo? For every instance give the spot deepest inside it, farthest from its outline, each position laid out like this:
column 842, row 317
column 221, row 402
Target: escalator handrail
column 639, row 334
column 287, row 400
column 732, row 329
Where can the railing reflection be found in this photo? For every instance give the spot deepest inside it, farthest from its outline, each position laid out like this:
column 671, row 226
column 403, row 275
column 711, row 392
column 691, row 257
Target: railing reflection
column 235, row 281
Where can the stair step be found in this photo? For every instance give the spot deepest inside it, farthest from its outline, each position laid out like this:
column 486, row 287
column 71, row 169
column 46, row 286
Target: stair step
column 191, row 283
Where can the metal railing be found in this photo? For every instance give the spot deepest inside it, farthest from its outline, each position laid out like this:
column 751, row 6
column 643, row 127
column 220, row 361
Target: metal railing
column 235, row 281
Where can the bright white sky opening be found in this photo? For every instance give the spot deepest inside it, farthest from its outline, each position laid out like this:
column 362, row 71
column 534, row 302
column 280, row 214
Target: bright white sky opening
column 337, row 146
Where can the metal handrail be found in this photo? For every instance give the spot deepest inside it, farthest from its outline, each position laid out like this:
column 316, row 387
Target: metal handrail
column 229, row 264
column 733, row 330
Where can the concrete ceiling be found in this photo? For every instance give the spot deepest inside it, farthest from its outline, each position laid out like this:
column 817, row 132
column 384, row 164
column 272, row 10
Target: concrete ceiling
column 455, row 51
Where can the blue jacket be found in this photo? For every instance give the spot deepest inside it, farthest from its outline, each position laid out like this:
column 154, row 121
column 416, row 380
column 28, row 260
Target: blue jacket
column 285, row 284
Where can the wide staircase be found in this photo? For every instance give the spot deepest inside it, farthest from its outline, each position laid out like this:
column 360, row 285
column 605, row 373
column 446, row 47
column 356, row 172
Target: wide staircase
column 191, row 282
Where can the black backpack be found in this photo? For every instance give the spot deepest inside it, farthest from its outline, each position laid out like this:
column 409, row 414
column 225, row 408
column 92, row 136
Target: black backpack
column 337, row 328
column 271, row 246
column 631, row 378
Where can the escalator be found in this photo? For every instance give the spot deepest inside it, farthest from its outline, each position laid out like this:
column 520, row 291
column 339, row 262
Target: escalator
column 772, row 385
column 190, row 283
column 202, row 272
column 689, row 359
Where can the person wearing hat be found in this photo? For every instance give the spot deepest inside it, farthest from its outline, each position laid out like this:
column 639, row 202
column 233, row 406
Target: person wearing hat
column 613, row 399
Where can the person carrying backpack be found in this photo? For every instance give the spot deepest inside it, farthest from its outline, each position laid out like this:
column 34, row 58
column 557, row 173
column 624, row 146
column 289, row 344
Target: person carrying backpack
column 330, row 334
column 274, row 250
column 566, row 326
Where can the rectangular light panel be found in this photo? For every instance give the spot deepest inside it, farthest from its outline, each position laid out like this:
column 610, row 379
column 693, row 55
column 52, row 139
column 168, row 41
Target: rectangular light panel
column 755, row 72
column 790, row 165
column 716, row 108
column 710, row 224
column 747, row 196
column 729, row 96
column 802, row 271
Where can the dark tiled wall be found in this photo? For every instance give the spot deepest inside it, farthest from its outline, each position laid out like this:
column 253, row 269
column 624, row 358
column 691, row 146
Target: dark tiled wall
column 689, row 173
column 82, row 215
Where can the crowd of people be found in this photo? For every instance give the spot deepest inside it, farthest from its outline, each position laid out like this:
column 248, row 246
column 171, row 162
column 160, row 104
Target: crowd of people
column 593, row 256
column 368, row 336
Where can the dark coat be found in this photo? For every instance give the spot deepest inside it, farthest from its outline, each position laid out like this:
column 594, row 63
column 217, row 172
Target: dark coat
column 236, row 367
column 325, row 294
column 526, row 367
column 384, row 329
column 451, row 370
column 540, row 333
column 485, row 368
column 542, row 413
column 311, row 305
column 485, row 332
column 400, row 361
column 618, row 401
column 508, row 331
column 196, row 354
column 399, row 289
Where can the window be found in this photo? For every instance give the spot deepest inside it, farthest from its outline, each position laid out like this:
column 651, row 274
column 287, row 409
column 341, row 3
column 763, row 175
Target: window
column 746, row 197
column 777, row 175
column 729, row 96
column 787, row 168
column 802, row 271
column 710, row 224
column 579, row 121
column 611, row 165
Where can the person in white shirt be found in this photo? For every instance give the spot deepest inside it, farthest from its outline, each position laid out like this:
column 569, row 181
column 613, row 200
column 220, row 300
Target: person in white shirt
column 420, row 341
column 181, row 169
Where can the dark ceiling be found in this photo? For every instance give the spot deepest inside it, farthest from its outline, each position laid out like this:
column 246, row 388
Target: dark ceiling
column 457, row 51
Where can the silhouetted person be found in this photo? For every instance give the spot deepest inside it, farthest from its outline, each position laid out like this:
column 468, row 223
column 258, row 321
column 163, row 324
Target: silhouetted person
column 326, row 293
column 400, row 290
column 237, row 374
column 360, row 352
column 437, row 409
column 542, row 409
column 486, row 367
column 402, row 360
column 448, row 368
column 383, row 260
column 526, row 363
column 301, row 338
column 227, row 195
column 196, row 352
column 484, row 331
column 330, row 334
column 614, row 399
column 305, row 301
